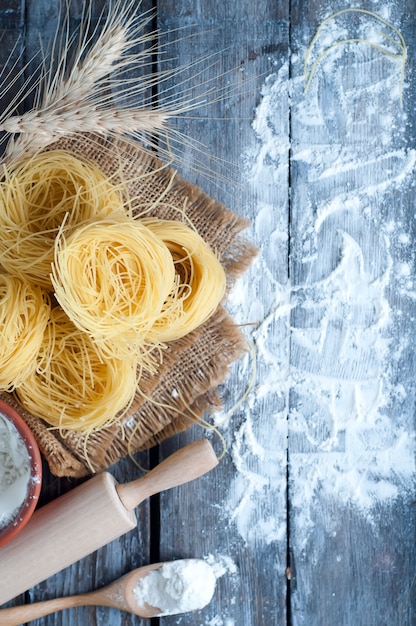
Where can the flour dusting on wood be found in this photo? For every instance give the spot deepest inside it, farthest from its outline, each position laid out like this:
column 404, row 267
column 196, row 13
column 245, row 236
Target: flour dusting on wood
column 257, row 500
column 330, row 342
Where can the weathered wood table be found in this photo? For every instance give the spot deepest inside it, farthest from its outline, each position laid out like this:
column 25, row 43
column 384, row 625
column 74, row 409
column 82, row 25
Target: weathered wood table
column 311, row 134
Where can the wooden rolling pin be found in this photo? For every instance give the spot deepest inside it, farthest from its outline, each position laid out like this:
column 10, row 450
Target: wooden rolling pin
column 88, row 517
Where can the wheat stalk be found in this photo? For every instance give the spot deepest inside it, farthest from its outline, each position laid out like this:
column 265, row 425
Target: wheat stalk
column 81, row 82
column 75, row 101
column 91, row 94
column 121, row 31
column 48, row 125
column 86, row 119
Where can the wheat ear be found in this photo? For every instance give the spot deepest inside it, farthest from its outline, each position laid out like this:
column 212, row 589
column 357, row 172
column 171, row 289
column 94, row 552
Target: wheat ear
column 47, row 126
column 91, row 94
column 94, row 62
column 76, row 101
column 103, row 58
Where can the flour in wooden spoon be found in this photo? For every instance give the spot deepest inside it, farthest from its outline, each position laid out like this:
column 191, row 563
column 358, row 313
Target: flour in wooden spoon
column 177, row 587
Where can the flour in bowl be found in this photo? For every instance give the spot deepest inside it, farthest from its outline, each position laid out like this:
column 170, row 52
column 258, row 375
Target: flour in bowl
column 14, row 471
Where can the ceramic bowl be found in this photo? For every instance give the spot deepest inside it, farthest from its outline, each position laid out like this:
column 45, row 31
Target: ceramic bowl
column 24, row 510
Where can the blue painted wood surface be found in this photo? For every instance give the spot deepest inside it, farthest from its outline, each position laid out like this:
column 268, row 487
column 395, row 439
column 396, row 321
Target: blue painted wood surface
column 331, row 560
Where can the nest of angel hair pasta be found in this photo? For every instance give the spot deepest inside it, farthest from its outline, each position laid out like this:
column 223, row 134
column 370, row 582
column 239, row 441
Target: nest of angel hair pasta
column 133, row 278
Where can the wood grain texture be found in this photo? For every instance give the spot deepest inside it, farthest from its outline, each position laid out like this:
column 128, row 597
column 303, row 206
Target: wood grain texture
column 338, row 197
column 254, row 37
column 345, row 173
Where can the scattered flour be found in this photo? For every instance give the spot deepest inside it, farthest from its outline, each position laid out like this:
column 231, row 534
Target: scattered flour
column 220, row 621
column 331, row 398
column 177, row 587
column 222, row 564
column 257, row 500
column 14, row 471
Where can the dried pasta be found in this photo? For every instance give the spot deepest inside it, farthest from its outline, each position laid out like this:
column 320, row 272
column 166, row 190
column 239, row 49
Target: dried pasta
column 36, row 197
column 73, row 387
column 200, row 281
column 24, row 314
column 112, row 278
column 122, row 286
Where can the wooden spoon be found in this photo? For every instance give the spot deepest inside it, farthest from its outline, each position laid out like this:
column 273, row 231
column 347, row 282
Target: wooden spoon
column 118, row 595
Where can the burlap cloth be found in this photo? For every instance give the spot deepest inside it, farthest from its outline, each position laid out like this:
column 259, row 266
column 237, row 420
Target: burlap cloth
column 191, row 368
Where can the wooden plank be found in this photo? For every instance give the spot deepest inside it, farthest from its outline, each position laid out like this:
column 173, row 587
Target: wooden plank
column 224, row 515
column 351, row 447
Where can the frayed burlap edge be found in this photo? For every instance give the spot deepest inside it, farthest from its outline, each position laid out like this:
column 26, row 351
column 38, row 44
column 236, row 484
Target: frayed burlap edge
column 191, row 368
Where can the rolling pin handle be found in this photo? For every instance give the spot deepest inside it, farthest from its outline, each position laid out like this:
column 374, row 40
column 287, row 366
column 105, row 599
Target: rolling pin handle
column 186, row 464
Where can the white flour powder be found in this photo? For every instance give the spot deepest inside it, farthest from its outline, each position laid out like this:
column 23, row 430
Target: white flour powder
column 14, row 471
column 328, row 346
column 177, row 587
